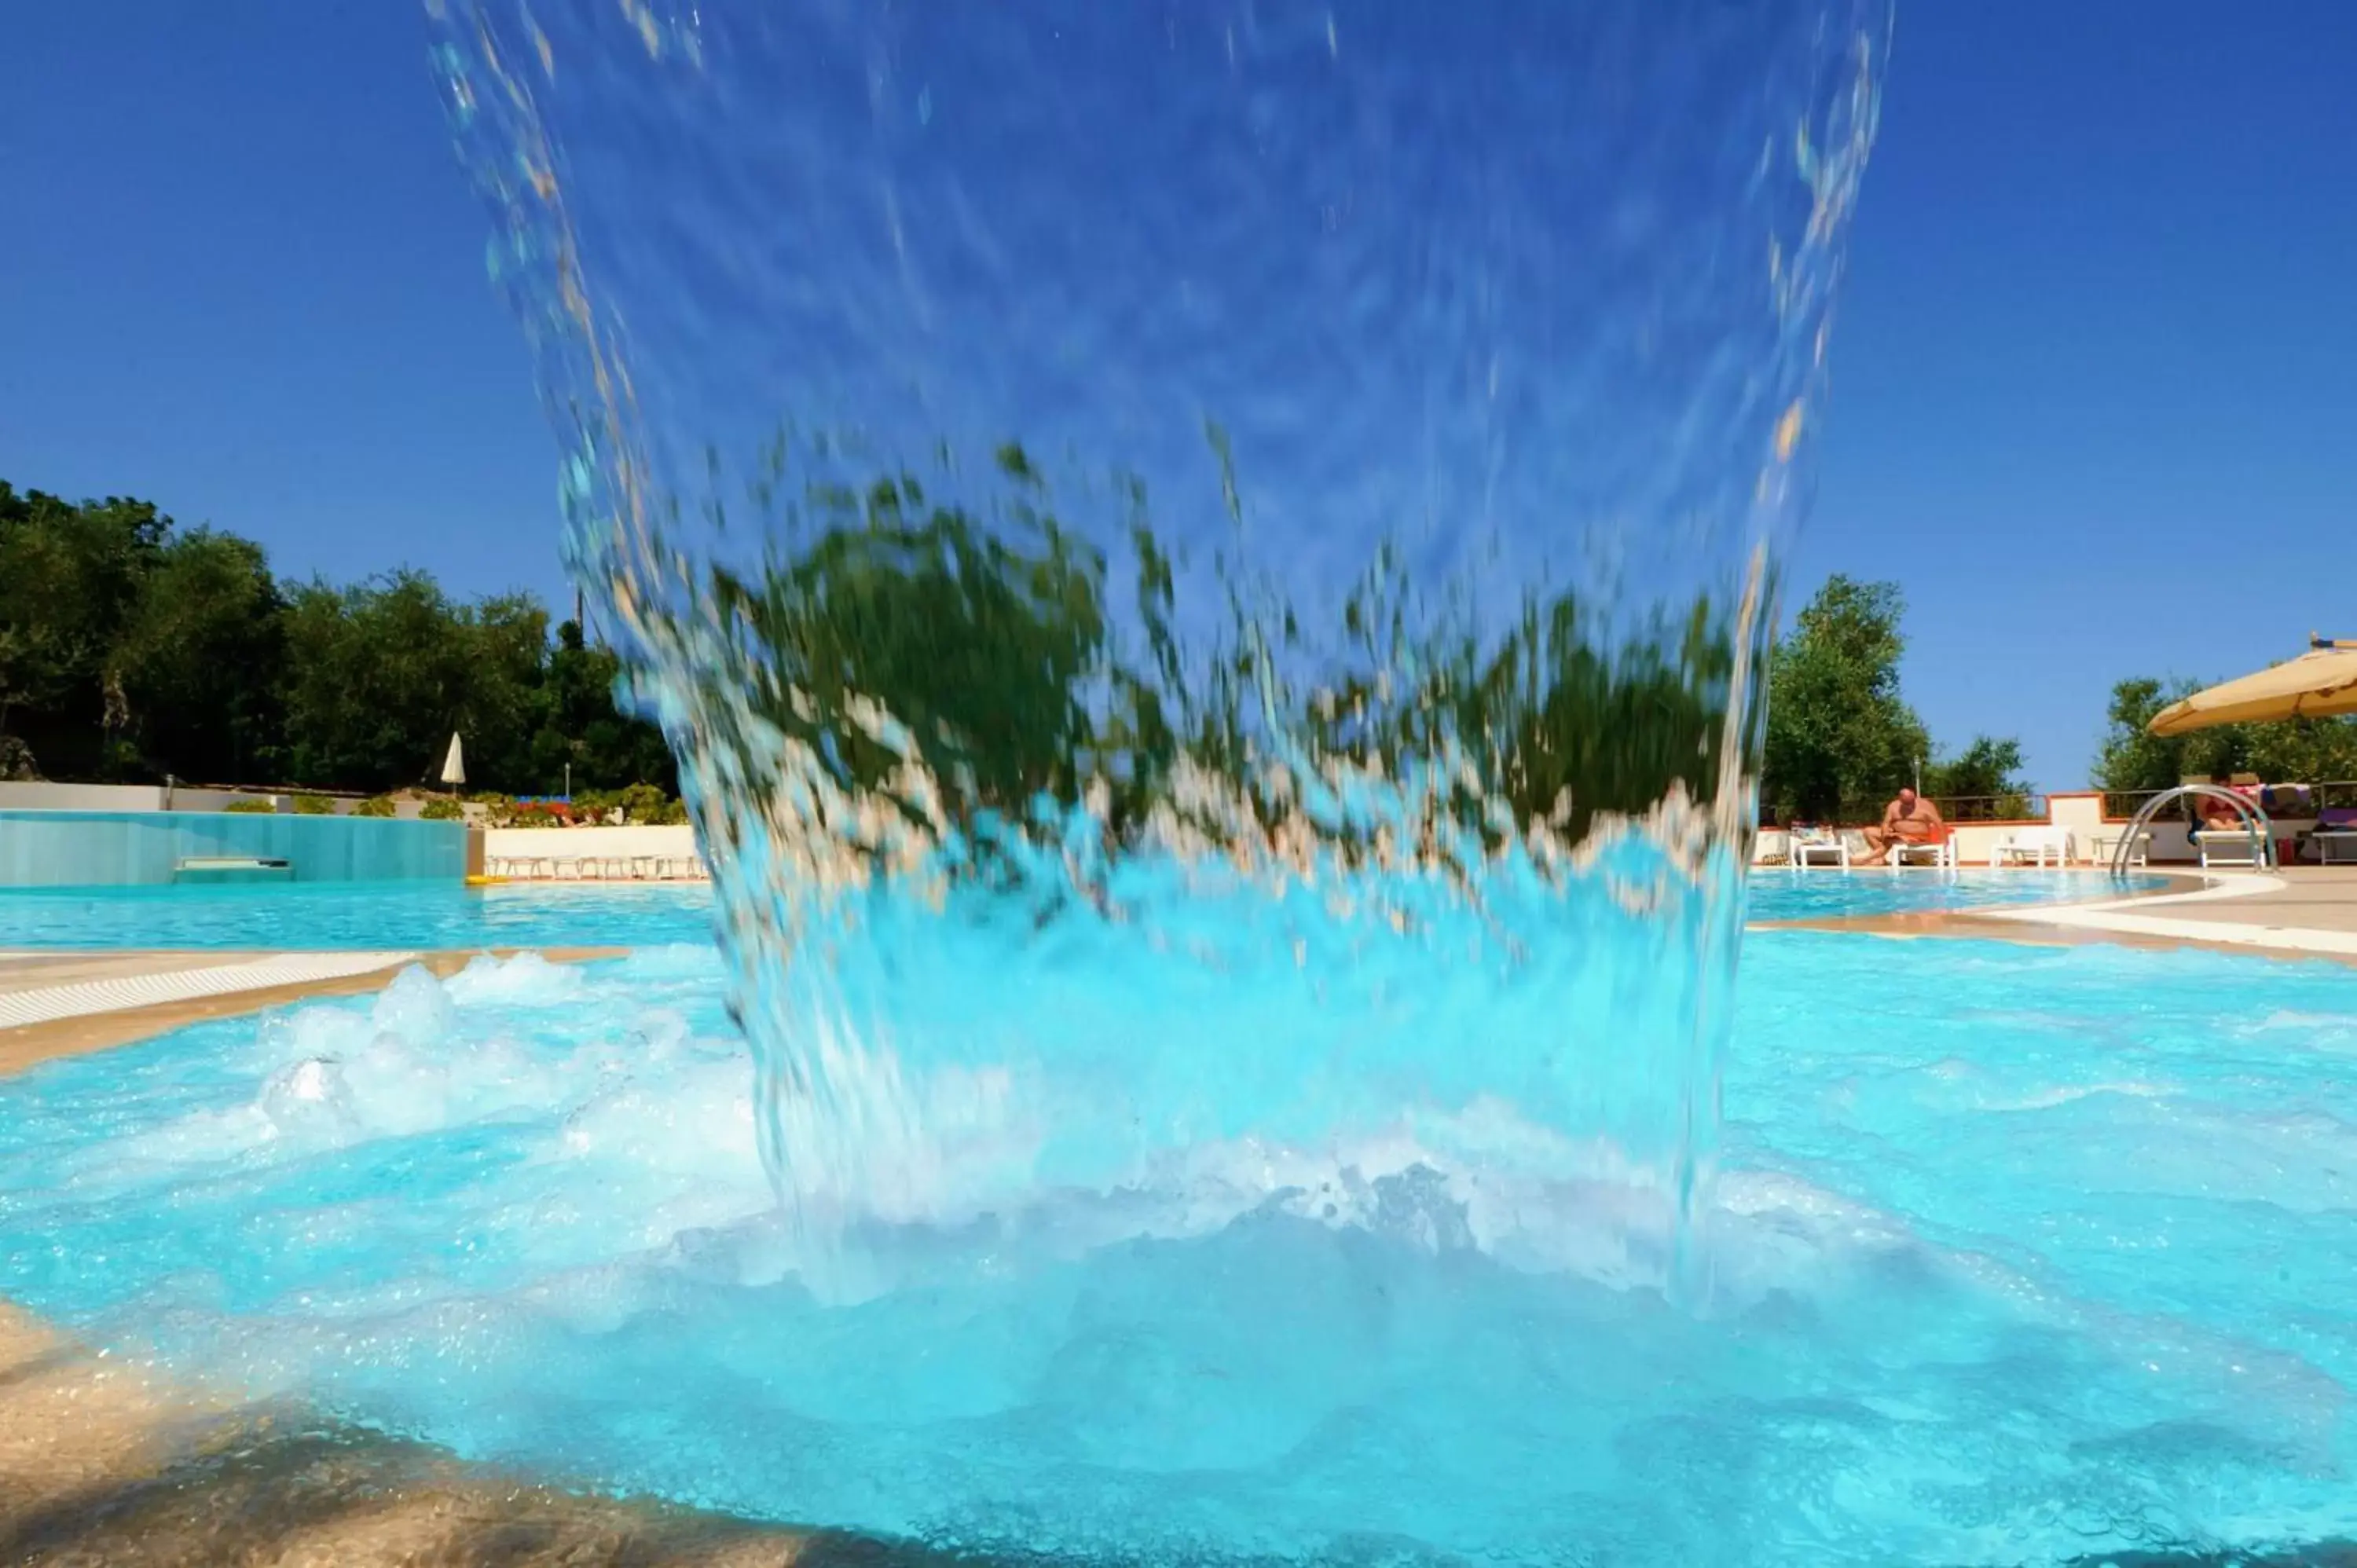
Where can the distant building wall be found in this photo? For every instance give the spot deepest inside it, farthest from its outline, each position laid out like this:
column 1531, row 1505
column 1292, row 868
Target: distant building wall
column 47, row 797
column 54, row 848
column 669, row 840
column 81, row 797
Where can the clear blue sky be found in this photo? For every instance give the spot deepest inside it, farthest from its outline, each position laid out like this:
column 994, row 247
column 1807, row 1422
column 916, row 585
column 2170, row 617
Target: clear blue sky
column 2095, row 373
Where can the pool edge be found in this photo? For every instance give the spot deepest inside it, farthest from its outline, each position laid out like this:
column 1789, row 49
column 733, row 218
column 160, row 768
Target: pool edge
column 2121, row 920
column 26, row 1046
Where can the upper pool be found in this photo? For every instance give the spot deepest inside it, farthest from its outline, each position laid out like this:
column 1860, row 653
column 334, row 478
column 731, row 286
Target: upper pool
column 441, row 916
column 365, row 916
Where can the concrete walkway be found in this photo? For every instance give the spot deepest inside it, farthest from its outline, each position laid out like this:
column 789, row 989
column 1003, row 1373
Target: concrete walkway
column 2308, row 910
column 33, row 991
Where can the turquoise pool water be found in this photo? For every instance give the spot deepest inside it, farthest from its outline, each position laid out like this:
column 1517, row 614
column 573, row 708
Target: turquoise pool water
column 2020, row 1255
column 405, row 916
column 359, row 916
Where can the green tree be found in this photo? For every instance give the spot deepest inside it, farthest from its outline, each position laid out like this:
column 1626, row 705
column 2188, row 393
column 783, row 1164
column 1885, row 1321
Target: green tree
column 2132, row 760
column 69, row 578
column 1982, row 780
column 1839, row 733
column 199, row 660
column 580, row 727
column 131, row 649
column 380, row 673
column 977, row 645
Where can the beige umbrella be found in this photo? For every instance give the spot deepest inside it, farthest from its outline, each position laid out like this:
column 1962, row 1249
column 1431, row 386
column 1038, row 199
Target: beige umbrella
column 454, row 765
column 2318, row 684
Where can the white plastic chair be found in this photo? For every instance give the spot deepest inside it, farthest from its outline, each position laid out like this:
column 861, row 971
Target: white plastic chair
column 2036, row 845
column 2107, row 844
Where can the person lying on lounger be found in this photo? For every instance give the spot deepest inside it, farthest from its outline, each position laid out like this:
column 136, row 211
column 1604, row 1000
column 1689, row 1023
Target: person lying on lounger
column 1910, row 819
column 2219, row 816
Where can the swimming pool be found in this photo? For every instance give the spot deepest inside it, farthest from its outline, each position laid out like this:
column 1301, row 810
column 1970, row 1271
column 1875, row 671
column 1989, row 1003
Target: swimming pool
column 360, row 918
column 409, row 916
column 2040, row 1255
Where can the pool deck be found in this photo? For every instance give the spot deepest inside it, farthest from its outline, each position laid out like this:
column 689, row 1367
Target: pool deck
column 67, row 1004
column 101, row 1464
column 2300, row 912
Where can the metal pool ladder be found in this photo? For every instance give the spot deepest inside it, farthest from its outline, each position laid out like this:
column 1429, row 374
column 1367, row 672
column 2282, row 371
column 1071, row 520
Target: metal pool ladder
column 2262, row 844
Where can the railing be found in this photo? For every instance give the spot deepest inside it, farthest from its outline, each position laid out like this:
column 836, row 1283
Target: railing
column 2340, row 794
column 1953, row 809
column 2016, row 808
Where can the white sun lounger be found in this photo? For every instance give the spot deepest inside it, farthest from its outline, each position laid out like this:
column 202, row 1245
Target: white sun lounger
column 1831, row 849
column 2327, row 840
column 2233, row 847
column 1940, row 852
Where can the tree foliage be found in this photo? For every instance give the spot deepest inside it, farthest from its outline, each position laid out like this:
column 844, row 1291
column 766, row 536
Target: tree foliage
column 1841, row 736
column 2132, row 760
column 976, row 646
column 131, row 649
column 990, row 642
column 1838, row 731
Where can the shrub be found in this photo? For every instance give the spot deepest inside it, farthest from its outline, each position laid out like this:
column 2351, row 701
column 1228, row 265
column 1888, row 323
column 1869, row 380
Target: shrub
column 314, row 806
column 499, row 811
column 375, row 805
column 252, row 808
column 644, row 803
column 442, row 811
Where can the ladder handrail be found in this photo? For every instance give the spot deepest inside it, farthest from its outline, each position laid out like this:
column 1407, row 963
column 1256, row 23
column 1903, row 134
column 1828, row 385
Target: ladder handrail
column 2255, row 819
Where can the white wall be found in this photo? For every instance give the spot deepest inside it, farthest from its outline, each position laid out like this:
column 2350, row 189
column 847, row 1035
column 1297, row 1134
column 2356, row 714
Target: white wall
column 80, row 798
column 46, row 797
column 566, row 844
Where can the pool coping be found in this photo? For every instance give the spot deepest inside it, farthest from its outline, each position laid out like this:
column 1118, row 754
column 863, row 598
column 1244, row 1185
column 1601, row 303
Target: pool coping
column 224, row 984
column 136, row 993
column 2121, row 921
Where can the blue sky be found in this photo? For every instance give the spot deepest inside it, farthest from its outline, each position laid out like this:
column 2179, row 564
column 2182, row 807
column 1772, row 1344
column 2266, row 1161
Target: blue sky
column 2096, row 372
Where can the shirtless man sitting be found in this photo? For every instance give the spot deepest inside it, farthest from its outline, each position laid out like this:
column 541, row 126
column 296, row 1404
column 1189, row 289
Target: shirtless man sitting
column 1910, row 819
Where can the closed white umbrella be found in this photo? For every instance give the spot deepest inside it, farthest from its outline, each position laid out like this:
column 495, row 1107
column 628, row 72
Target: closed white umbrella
column 454, row 766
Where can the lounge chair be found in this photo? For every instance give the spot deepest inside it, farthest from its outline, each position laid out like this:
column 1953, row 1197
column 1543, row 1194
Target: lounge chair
column 2336, row 829
column 2233, row 846
column 1816, row 847
column 1939, row 851
column 2036, row 845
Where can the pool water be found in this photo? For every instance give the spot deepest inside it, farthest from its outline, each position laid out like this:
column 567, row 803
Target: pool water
column 2037, row 1255
column 408, row 916
column 363, row 918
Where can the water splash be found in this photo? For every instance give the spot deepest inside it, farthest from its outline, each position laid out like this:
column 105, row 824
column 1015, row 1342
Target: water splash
column 1299, row 486
column 2040, row 1258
